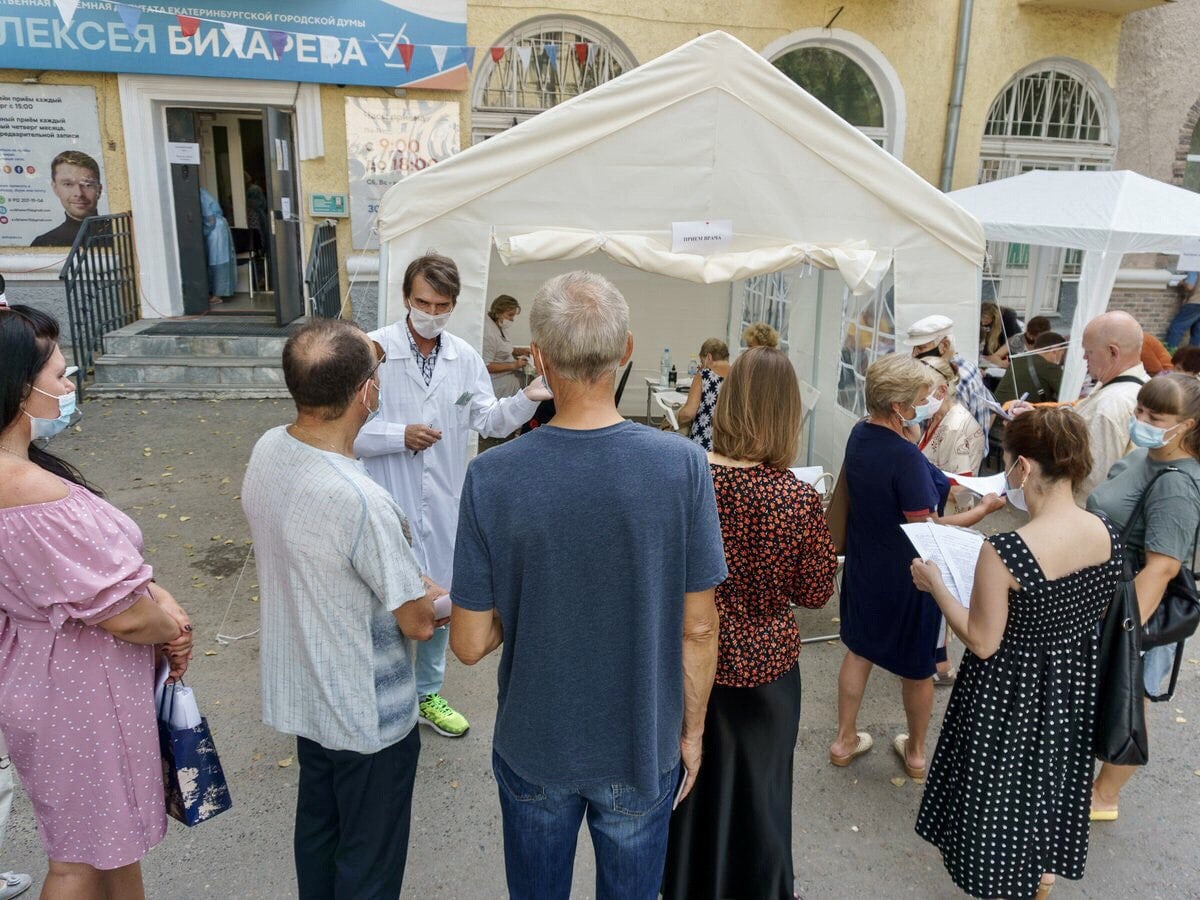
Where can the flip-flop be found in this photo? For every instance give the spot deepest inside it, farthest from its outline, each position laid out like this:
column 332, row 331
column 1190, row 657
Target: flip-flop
column 865, row 743
column 900, row 745
column 1103, row 815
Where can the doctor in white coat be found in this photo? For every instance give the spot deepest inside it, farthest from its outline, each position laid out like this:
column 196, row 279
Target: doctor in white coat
column 435, row 388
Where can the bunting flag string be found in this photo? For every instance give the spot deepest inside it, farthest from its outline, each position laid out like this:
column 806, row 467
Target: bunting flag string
column 330, row 49
column 525, row 53
column 497, row 54
column 67, row 9
column 235, row 34
column 130, row 16
column 188, row 25
column 468, row 54
column 278, row 41
column 581, row 53
column 439, row 55
column 551, row 54
column 406, row 55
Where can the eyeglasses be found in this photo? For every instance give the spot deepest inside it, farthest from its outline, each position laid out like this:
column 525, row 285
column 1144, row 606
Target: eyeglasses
column 70, row 184
column 380, row 357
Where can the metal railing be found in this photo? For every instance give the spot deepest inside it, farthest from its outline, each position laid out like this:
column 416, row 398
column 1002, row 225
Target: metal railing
column 100, row 279
column 321, row 272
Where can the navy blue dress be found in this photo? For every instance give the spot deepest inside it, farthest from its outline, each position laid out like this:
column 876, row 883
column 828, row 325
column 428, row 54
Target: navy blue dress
column 885, row 619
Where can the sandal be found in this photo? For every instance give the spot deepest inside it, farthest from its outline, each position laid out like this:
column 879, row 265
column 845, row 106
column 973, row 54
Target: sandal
column 900, row 745
column 1102, row 815
column 944, row 679
column 1044, row 889
column 865, row 743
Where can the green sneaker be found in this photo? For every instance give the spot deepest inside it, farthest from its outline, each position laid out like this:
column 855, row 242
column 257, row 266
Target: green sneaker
column 439, row 715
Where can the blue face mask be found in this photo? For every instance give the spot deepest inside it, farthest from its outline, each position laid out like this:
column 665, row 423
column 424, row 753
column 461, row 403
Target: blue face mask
column 42, row 429
column 1143, row 434
column 922, row 411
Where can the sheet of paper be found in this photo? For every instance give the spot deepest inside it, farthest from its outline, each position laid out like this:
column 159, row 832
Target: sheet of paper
column 991, row 484
column 998, row 410
column 954, row 550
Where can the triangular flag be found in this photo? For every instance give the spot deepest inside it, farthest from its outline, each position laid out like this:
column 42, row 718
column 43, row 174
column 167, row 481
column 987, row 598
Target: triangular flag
column 188, row 25
column 591, row 52
column 469, row 58
column 497, row 54
column 439, row 55
column 581, row 53
column 551, row 54
column 525, row 53
column 278, row 41
column 330, row 49
column 406, row 52
column 66, row 9
column 235, row 34
column 130, row 15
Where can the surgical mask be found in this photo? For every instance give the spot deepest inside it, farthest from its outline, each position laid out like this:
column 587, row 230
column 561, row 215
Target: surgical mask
column 428, row 326
column 541, row 366
column 1143, row 434
column 1016, row 496
column 923, row 411
column 48, row 428
column 372, row 413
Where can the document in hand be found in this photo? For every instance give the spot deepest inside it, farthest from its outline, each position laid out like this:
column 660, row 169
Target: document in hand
column 992, row 484
column 954, row 550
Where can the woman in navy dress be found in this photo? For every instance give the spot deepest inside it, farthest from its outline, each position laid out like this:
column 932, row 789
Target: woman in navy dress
column 885, row 620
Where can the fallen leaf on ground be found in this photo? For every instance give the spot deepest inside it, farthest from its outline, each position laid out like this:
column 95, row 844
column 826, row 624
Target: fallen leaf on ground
column 854, row 828
column 256, row 757
column 899, row 781
column 254, row 599
column 184, row 518
column 835, row 620
column 454, row 784
column 285, row 762
column 210, row 652
column 162, row 515
column 1180, row 720
column 224, row 481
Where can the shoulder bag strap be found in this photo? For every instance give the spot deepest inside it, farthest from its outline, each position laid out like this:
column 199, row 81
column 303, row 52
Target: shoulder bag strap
column 1123, row 379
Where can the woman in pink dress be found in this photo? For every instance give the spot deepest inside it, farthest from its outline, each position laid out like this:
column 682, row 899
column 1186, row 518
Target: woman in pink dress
column 80, row 620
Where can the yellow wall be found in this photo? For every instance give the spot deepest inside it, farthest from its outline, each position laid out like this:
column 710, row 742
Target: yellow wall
column 918, row 39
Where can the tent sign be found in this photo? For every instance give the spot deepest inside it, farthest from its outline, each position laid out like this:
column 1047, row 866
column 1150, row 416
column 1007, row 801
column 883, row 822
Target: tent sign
column 1189, row 256
column 703, row 237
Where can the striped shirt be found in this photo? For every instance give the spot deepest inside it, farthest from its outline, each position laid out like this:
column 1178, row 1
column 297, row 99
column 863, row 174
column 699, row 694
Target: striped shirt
column 332, row 566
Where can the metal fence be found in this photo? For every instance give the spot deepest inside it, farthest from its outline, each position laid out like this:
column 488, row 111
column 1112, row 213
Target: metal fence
column 321, row 272
column 100, row 279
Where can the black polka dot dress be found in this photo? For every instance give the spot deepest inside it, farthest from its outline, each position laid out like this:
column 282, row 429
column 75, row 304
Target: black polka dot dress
column 1009, row 785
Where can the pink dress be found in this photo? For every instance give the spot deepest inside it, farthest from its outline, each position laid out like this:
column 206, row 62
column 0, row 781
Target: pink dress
column 76, row 703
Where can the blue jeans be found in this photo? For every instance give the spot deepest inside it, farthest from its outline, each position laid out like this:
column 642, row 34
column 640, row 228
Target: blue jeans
column 1187, row 319
column 431, row 663
column 1157, row 663
column 541, row 827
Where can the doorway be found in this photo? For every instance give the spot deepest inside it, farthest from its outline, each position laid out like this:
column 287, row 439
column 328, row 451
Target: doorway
column 233, row 180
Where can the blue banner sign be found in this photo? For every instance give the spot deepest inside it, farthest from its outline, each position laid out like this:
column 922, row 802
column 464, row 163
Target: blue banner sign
column 389, row 43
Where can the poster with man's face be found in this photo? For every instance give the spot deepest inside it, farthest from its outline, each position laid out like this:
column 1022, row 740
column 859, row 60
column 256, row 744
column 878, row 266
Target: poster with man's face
column 51, row 175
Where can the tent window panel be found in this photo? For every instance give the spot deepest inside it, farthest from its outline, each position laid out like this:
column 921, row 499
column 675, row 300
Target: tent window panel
column 767, row 298
column 868, row 323
column 837, row 81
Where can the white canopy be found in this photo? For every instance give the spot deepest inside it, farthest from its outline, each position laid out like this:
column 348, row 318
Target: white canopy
column 708, row 131
column 1105, row 214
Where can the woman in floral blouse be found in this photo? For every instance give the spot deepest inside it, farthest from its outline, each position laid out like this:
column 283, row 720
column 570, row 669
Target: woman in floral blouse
column 735, row 828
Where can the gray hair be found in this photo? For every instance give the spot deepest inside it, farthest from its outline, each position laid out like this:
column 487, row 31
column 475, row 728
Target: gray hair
column 580, row 323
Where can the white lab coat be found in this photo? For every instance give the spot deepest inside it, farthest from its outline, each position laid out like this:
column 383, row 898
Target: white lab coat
column 427, row 485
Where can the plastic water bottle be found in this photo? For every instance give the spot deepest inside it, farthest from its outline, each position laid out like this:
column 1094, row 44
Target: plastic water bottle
column 693, row 366
column 664, row 366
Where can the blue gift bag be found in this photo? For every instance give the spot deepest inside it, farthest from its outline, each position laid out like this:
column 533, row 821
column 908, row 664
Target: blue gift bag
column 193, row 780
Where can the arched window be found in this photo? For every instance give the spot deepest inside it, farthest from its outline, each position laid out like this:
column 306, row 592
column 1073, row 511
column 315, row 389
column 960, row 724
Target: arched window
column 546, row 61
column 850, row 76
column 1058, row 115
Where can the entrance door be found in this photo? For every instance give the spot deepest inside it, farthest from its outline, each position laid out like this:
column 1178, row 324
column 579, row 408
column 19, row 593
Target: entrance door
column 189, row 225
column 285, row 217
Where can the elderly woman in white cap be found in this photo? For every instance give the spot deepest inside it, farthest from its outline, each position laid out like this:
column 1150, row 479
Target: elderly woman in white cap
column 930, row 337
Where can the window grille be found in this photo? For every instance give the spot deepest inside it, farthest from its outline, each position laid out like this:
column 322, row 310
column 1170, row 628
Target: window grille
column 1049, row 105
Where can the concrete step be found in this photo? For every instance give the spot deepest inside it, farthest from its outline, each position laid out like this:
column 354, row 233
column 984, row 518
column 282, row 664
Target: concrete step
column 185, row 392
column 195, row 373
column 130, row 343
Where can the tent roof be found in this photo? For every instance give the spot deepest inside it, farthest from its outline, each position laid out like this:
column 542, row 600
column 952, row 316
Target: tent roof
column 748, row 92
column 1119, row 211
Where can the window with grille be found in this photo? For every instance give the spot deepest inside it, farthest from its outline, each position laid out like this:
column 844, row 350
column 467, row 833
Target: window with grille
column 868, row 332
column 1050, row 105
column 767, row 298
column 841, row 84
column 544, row 63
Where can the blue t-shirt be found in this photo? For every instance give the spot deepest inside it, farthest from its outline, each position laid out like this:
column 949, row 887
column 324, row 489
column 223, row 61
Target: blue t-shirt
column 585, row 543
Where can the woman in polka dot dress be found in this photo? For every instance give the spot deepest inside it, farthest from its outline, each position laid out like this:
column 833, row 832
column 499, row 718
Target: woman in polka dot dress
column 1006, row 800
column 79, row 621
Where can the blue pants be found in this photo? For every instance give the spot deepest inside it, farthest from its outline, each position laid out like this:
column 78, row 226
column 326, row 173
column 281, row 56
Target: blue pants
column 541, row 827
column 431, row 663
column 1187, row 319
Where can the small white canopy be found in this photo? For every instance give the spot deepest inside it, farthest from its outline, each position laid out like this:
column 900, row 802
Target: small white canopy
column 1105, row 214
column 708, row 131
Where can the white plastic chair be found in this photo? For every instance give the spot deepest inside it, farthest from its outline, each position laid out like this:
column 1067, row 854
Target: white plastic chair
column 668, row 402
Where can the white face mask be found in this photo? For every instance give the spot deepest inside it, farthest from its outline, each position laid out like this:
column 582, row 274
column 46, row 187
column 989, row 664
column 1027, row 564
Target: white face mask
column 428, row 326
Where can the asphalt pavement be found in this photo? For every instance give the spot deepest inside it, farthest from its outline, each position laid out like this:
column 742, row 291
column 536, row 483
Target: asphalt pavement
column 177, row 466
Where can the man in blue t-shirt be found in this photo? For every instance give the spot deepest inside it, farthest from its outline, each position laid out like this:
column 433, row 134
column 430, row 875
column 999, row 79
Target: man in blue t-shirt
column 601, row 592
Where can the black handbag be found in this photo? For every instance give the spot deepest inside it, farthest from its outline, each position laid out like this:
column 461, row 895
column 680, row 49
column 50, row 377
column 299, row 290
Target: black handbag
column 1120, row 732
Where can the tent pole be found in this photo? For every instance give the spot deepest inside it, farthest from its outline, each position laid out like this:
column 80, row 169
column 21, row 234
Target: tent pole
column 962, row 49
column 816, row 366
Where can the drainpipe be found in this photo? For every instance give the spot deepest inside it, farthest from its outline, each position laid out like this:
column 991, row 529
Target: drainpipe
column 962, row 49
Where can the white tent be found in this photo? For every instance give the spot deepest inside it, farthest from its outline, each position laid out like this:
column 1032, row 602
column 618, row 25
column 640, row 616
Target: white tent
column 1105, row 214
column 708, row 131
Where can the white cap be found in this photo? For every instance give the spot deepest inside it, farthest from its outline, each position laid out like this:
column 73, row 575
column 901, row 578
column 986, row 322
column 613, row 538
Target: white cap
column 928, row 330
